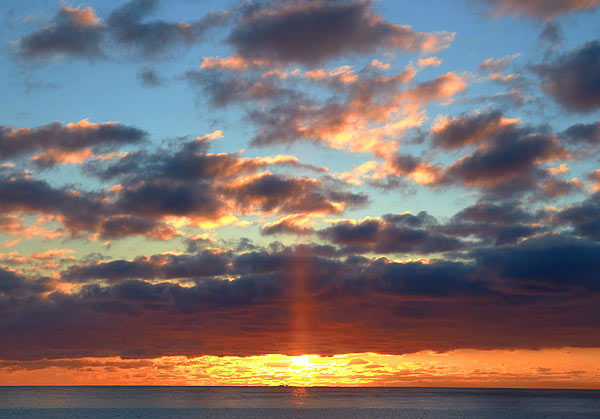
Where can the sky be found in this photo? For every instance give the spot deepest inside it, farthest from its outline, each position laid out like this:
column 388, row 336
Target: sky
column 312, row 192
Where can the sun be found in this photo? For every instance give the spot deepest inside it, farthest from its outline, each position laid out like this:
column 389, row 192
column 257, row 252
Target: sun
column 301, row 361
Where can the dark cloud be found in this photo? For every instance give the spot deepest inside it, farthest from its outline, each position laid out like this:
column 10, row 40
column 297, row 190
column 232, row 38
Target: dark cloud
column 78, row 211
column 544, row 265
column 552, row 34
column 405, row 163
column 584, row 217
column 554, row 187
column 80, row 33
column 155, row 198
column 467, row 129
column 12, row 283
column 573, row 79
column 395, row 234
column 191, row 182
column 509, row 163
column 125, row 225
column 22, row 194
column 72, row 364
column 57, row 142
column 270, row 192
column 181, row 181
column 157, row 267
column 583, row 134
column 223, row 89
column 490, row 212
column 188, row 160
column 73, row 32
column 528, row 295
column 495, row 223
column 149, row 77
column 151, row 38
column 309, row 32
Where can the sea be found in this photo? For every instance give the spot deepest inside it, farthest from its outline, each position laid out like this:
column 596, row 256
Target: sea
column 294, row 402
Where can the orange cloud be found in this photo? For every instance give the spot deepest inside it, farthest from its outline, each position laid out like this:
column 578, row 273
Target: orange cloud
column 441, row 87
column 430, row 62
column 595, row 177
column 212, row 136
column 558, row 170
column 54, row 156
column 344, row 74
column 83, row 17
column 234, row 63
column 378, row 64
column 14, row 226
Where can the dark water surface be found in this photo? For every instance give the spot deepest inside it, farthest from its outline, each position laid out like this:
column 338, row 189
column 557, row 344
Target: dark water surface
column 294, row 402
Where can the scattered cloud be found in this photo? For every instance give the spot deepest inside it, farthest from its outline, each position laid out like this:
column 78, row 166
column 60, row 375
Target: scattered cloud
column 572, row 79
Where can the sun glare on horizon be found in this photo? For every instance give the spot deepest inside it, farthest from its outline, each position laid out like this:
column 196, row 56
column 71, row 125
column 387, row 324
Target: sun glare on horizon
column 301, row 361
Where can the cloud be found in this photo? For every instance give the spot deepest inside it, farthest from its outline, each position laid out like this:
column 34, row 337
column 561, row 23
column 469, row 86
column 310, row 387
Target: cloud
column 223, row 89
column 69, row 143
column 583, row 134
column 496, row 64
column 495, row 224
column 156, row 267
column 406, row 165
column 190, row 182
column 489, row 212
column 396, row 307
column 468, row 128
column 15, row 226
column 298, row 224
column 508, row 163
column 394, row 234
column 544, row 266
column 573, row 79
column 584, row 217
column 153, row 188
column 79, row 33
column 268, row 192
column 367, row 115
column 552, row 34
column 74, row 32
column 51, row 259
column 430, row 62
column 311, row 32
column 156, row 193
column 442, row 87
column 152, row 38
column 22, row 194
column 595, row 177
column 15, row 284
column 540, row 9
column 149, row 77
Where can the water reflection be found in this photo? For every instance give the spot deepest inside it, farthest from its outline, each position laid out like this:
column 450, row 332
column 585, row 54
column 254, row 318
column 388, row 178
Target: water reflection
column 299, row 395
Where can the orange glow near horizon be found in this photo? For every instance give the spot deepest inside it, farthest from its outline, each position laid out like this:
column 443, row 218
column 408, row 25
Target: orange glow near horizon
column 549, row 368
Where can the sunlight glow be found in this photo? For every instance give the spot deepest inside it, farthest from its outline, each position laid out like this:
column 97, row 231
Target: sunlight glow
column 301, row 361
column 549, row 368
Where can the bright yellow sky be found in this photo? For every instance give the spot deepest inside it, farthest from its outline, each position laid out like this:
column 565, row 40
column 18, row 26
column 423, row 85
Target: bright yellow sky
column 550, row 368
